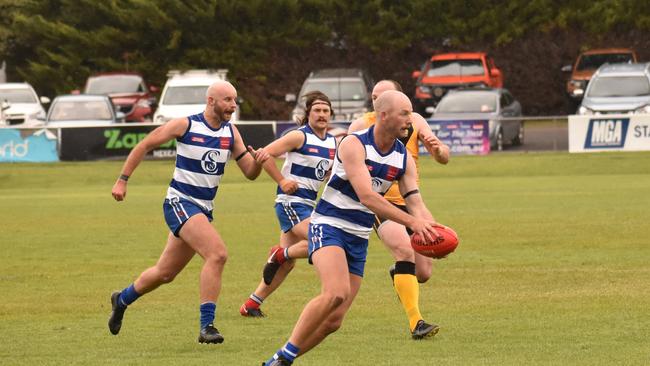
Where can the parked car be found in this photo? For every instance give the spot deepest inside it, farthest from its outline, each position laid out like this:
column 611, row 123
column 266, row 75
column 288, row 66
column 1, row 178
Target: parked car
column 618, row 89
column 349, row 90
column 128, row 92
column 185, row 92
column 497, row 106
column 23, row 105
column 82, row 110
column 586, row 65
column 448, row 71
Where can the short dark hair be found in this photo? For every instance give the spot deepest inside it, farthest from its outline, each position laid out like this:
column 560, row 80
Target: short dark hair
column 310, row 98
column 397, row 86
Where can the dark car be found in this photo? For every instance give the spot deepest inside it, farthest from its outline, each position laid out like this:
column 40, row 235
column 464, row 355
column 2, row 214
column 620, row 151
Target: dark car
column 349, row 90
column 497, row 106
column 129, row 93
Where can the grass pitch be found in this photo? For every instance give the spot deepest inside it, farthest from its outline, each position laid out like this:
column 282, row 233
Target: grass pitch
column 552, row 269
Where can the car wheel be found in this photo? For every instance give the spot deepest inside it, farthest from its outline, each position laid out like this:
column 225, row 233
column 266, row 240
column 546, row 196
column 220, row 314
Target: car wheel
column 519, row 138
column 500, row 140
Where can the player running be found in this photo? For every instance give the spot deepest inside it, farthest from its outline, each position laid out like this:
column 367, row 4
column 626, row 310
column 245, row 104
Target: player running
column 205, row 142
column 310, row 150
column 410, row 267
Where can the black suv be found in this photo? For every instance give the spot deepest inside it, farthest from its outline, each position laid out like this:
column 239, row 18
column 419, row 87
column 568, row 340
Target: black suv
column 349, row 91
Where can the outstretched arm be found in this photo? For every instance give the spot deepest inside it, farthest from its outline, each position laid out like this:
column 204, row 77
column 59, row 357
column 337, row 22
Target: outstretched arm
column 249, row 163
column 292, row 140
column 434, row 146
column 170, row 130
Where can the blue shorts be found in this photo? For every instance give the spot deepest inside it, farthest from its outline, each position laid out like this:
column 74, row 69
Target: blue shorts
column 291, row 214
column 178, row 211
column 356, row 248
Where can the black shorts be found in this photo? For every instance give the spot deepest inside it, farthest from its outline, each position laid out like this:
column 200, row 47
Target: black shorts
column 380, row 220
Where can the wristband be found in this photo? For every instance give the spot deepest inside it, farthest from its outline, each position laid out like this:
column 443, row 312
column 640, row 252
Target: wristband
column 124, row 177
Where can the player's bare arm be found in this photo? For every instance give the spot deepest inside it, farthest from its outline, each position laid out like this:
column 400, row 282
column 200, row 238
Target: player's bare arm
column 357, row 125
column 434, row 146
column 292, row 140
column 173, row 129
column 352, row 155
column 409, row 189
column 249, row 163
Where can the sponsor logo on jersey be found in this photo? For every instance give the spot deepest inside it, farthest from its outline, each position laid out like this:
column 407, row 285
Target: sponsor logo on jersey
column 224, row 143
column 198, row 139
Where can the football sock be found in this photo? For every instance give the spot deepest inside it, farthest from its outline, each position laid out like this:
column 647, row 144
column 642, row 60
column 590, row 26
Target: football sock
column 253, row 302
column 286, row 254
column 207, row 313
column 408, row 290
column 289, row 352
column 128, row 296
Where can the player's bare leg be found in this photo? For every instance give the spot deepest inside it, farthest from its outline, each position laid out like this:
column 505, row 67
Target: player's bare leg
column 202, row 237
column 294, row 241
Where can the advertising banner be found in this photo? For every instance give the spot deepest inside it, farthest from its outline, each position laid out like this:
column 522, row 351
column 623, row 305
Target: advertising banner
column 27, row 145
column 96, row 143
column 609, row 133
column 463, row 137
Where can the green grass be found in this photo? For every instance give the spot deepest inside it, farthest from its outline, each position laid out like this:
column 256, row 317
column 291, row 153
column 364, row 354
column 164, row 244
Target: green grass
column 552, row 269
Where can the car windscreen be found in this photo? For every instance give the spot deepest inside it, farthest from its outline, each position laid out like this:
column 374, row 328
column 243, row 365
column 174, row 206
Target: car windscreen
column 114, row 85
column 80, row 111
column 337, row 90
column 194, row 94
column 592, row 62
column 619, row 86
column 455, row 67
column 468, row 103
column 17, row 96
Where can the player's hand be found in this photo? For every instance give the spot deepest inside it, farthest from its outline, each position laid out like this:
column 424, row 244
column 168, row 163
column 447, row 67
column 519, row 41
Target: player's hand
column 119, row 190
column 433, row 144
column 260, row 155
column 288, row 186
column 425, row 228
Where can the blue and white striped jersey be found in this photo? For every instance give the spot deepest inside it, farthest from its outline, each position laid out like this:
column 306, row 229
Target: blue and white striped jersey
column 308, row 166
column 201, row 156
column 339, row 205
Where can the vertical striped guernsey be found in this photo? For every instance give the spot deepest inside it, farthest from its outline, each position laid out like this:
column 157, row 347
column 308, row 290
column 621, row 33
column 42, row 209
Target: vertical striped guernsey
column 308, row 166
column 339, row 205
column 201, row 156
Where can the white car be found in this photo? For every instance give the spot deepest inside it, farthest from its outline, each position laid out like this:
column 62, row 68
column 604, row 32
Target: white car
column 23, row 105
column 184, row 93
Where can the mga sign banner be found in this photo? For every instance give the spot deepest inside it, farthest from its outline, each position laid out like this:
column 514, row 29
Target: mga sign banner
column 609, row 133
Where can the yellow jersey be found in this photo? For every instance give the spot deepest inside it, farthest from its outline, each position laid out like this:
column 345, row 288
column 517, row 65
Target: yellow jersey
column 411, row 143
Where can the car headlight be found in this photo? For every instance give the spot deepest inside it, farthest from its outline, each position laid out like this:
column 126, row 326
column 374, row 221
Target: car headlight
column 578, row 84
column 425, row 89
column 643, row 110
column 585, row 111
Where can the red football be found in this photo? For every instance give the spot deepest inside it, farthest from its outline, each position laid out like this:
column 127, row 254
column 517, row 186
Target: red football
column 440, row 247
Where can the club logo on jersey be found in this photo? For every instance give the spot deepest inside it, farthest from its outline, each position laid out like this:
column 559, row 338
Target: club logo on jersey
column 376, row 184
column 209, row 161
column 321, row 169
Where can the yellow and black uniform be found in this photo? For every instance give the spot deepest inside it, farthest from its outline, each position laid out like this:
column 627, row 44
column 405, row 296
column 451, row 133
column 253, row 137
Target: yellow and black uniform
column 404, row 280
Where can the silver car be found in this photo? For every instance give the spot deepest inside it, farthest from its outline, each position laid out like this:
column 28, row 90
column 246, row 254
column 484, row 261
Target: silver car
column 497, row 106
column 618, row 89
column 82, row 110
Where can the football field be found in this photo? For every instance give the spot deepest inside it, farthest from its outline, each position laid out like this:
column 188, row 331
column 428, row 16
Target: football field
column 553, row 268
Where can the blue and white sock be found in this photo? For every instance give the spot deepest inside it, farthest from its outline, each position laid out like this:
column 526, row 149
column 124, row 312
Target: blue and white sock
column 289, row 352
column 207, row 313
column 128, row 296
